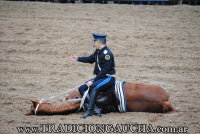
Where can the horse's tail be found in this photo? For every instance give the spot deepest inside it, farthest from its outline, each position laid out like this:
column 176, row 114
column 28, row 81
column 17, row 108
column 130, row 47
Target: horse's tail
column 167, row 107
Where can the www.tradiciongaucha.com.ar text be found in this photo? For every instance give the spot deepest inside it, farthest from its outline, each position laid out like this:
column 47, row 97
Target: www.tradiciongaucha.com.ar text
column 101, row 128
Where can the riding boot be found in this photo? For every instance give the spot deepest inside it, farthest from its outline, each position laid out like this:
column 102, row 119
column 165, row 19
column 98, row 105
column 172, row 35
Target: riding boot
column 93, row 96
column 87, row 113
column 97, row 111
column 92, row 108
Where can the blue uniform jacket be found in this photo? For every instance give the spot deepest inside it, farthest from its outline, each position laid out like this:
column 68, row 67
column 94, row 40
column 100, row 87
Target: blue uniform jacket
column 104, row 62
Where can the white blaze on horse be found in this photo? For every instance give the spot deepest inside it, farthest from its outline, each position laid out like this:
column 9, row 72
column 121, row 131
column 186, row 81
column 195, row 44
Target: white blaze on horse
column 138, row 98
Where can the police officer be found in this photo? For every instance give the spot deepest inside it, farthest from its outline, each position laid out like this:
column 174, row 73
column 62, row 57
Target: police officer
column 104, row 70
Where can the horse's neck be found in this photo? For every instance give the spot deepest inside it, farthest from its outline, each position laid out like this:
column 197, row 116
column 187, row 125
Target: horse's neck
column 62, row 107
column 73, row 94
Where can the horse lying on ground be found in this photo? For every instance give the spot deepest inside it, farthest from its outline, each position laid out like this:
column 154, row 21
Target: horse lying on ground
column 139, row 98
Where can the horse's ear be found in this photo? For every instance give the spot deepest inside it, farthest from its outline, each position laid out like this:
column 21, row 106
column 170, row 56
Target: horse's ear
column 30, row 112
column 34, row 103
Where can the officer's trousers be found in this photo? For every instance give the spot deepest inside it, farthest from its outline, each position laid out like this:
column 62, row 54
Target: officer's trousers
column 102, row 84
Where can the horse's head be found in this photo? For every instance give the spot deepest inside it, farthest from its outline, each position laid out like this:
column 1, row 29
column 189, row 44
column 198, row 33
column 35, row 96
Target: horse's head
column 44, row 107
column 33, row 107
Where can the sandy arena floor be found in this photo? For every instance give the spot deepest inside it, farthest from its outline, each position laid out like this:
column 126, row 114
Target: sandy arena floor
column 152, row 44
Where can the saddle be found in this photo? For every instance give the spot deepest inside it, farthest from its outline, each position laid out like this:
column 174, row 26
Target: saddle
column 108, row 101
column 112, row 100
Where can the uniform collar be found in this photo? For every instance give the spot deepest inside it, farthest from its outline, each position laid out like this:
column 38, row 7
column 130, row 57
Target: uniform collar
column 100, row 51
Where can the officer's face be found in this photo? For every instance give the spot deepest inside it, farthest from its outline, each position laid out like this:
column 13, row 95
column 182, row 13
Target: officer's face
column 96, row 44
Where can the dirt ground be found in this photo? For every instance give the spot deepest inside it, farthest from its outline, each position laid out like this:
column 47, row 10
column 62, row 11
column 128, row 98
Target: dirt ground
column 152, row 44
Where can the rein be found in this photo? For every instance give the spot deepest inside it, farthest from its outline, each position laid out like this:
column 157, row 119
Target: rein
column 83, row 99
column 52, row 97
column 55, row 96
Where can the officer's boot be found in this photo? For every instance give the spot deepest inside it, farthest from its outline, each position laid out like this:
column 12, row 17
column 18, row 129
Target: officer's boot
column 92, row 108
column 87, row 113
column 97, row 111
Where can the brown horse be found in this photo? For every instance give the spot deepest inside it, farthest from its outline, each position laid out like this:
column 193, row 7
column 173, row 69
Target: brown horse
column 139, row 98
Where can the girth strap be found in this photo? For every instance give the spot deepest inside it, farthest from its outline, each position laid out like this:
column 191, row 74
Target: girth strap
column 119, row 89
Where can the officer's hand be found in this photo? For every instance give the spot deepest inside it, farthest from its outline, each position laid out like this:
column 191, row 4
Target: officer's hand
column 89, row 83
column 73, row 58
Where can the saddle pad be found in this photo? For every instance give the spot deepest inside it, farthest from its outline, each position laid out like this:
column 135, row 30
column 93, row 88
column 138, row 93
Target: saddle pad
column 119, row 89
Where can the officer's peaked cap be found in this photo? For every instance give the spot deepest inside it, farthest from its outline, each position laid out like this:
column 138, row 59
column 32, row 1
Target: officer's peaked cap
column 98, row 36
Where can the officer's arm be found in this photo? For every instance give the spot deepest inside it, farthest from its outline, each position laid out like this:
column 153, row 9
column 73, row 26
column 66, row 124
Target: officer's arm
column 106, row 67
column 89, row 59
